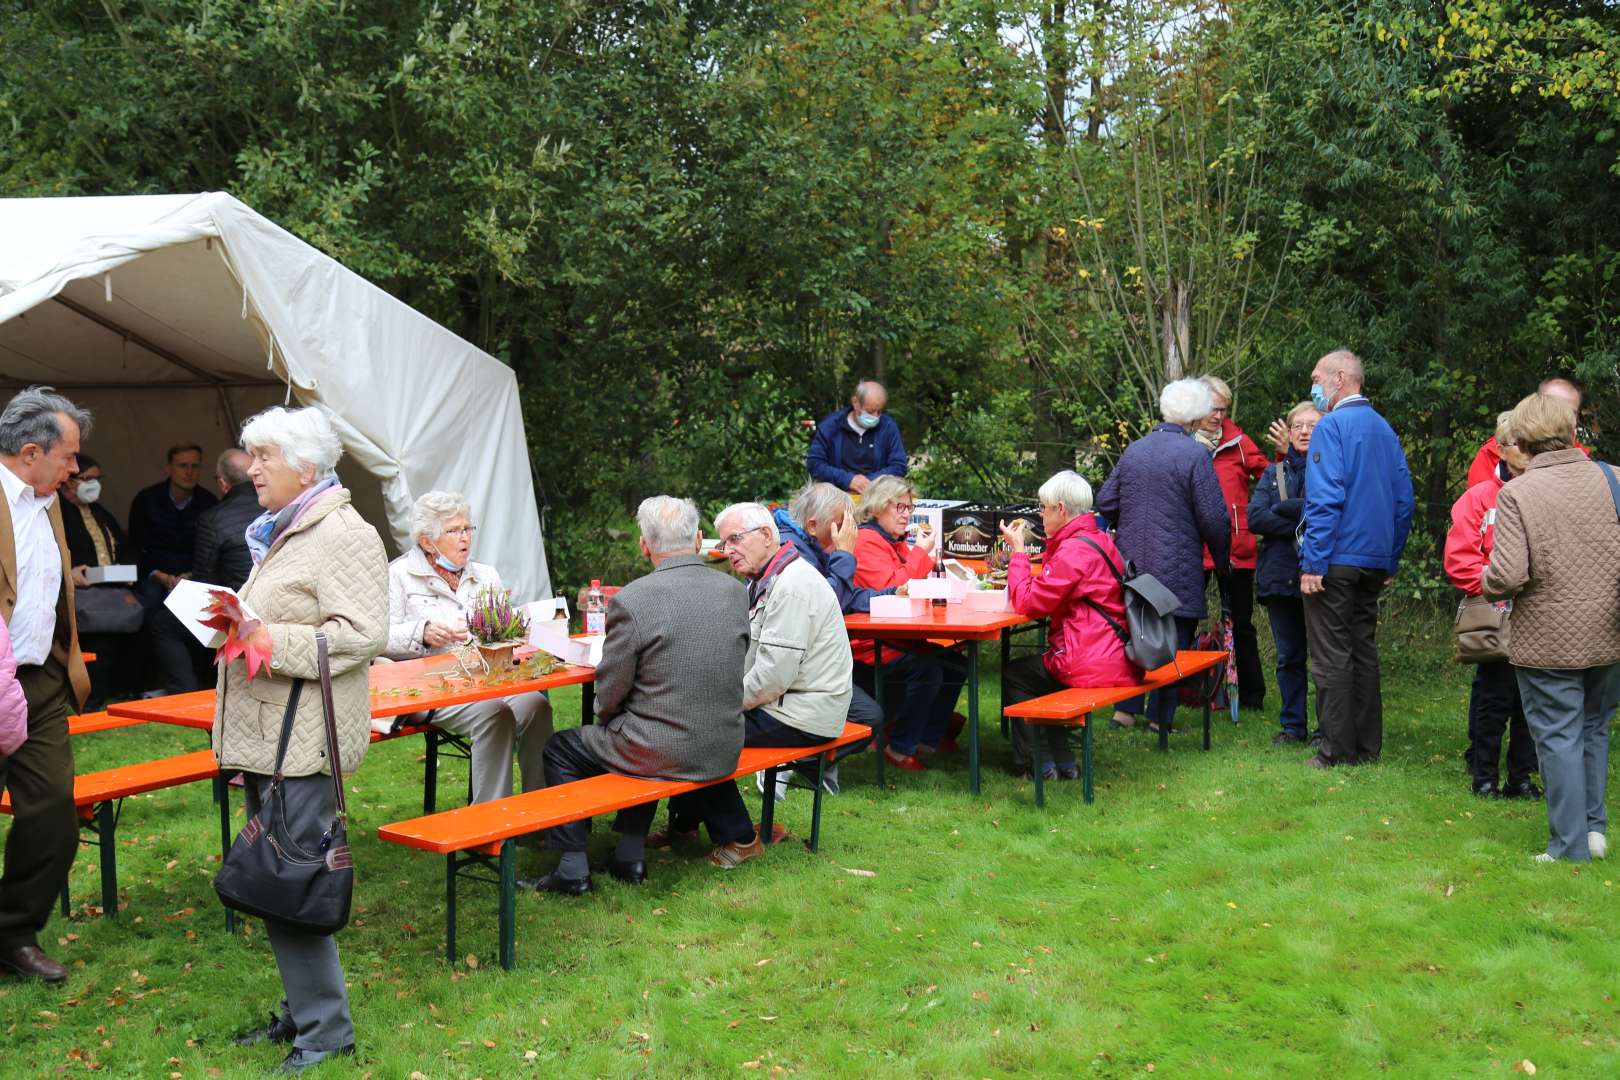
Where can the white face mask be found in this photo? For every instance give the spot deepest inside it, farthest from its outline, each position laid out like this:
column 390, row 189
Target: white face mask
column 89, row 491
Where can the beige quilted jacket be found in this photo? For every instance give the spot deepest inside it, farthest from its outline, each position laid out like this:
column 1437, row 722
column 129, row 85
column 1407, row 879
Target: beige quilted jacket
column 328, row 571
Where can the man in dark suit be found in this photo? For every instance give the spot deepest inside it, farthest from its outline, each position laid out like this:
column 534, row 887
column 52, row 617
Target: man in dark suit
column 39, row 441
column 163, row 523
column 669, row 691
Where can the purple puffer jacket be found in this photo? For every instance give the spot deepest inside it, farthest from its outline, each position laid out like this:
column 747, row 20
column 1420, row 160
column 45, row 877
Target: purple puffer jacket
column 1165, row 503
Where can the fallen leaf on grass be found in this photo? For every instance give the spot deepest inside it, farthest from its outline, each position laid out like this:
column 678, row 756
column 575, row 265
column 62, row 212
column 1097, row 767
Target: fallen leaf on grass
column 660, row 911
column 1526, row 1066
column 767, row 1019
column 762, row 963
column 489, row 1044
column 751, row 1064
column 530, row 1055
column 981, row 995
column 171, row 864
column 1231, row 905
column 734, row 1023
column 860, row 873
column 472, row 960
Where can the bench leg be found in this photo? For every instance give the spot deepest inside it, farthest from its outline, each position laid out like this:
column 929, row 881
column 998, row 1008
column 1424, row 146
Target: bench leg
column 222, row 797
column 1037, row 766
column 1164, row 731
column 107, row 826
column 67, row 907
column 1006, row 658
column 973, row 716
column 767, row 808
column 815, row 805
column 1206, row 723
column 430, row 773
column 450, row 907
column 880, row 736
column 508, row 904
column 1085, row 756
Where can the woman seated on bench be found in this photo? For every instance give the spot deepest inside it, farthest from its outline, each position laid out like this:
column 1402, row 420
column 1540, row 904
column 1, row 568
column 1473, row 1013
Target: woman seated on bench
column 430, row 589
column 1079, row 590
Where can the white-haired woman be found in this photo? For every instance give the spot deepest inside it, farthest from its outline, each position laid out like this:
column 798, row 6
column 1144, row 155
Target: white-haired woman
column 933, row 680
column 430, row 590
column 317, row 568
column 1166, row 506
column 1079, row 589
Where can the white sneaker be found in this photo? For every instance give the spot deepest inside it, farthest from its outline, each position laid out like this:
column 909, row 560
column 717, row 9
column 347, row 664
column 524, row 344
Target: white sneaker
column 1598, row 845
column 1543, row 858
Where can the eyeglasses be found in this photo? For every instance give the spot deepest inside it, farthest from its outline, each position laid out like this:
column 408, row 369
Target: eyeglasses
column 905, row 508
column 462, row 530
column 1219, row 410
column 735, row 539
column 1304, row 426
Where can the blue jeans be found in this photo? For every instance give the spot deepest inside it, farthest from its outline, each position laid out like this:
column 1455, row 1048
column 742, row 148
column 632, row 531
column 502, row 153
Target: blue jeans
column 1287, row 616
column 933, row 682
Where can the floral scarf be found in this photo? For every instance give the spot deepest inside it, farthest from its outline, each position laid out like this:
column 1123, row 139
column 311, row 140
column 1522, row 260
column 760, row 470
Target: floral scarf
column 267, row 528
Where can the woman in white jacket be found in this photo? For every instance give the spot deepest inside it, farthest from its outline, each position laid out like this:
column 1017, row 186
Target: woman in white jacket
column 430, row 589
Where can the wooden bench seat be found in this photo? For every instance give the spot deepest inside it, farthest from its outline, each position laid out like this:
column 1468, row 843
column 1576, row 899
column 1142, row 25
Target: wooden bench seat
column 1072, row 708
column 90, row 723
column 486, row 834
column 98, row 798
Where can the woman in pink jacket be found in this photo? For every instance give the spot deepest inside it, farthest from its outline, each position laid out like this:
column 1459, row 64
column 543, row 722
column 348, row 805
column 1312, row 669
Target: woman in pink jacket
column 13, row 706
column 1079, row 590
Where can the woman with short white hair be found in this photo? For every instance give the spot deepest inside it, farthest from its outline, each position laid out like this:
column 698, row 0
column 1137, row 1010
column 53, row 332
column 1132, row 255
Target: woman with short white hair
column 430, row 590
column 1166, row 506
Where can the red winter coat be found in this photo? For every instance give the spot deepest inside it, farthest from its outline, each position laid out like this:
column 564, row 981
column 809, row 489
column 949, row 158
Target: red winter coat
column 1238, row 463
column 1489, row 456
column 882, row 562
column 1473, row 529
column 1084, row 650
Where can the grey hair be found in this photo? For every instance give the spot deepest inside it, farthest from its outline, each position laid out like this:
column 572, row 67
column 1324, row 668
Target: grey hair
column 1069, row 490
column 230, row 466
column 749, row 515
column 305, row 437
column 1186, row 401
column 432, row 510
column 31, row 417
column 668, row 523
column 1349, row 365
column 881, row 494
column 865, row 387
column 821, row 501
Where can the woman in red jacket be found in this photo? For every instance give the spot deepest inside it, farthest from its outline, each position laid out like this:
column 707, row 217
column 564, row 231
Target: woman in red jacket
column 1079, row 589
column 1493, row 701
column 933, row 679
column 1238, row 464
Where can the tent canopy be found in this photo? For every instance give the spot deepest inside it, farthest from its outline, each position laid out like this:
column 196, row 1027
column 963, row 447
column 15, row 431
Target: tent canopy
column 174, row 318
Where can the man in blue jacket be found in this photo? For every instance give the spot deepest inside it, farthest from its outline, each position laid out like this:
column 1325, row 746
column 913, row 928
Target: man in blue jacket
column 854, row 446
column 1358, row 508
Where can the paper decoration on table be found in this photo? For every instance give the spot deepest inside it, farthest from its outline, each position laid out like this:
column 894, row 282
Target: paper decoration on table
column 551, row 635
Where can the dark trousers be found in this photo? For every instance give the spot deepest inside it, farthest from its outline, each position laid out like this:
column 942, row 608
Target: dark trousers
column 1341, row 623
column 1251, row 676
column 1021, row 680
column 181, row 665
column 1287, row 615
column 44, row 836
column 1494, row 708
column 568, row 759
column 720, row 806
column 932, row 683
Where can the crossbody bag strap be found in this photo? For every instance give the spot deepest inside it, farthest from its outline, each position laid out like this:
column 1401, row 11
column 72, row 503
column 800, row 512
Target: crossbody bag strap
column 1614, row 485
column 332, row 755
column 286, row 728
column 1121, row 632
column 1282, row 480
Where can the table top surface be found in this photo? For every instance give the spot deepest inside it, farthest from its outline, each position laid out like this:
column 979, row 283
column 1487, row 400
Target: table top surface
column 429, row 682
column 953, row 621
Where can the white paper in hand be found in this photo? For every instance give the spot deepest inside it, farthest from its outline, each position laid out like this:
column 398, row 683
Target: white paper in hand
column 189, row 601
column 552, row 636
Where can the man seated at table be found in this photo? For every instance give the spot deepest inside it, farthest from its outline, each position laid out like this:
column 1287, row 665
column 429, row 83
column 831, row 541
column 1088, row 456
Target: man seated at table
column 669, row 692
column 796, row 689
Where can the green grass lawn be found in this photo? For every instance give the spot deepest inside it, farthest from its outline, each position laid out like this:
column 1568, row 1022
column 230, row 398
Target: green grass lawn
column 1229, row 913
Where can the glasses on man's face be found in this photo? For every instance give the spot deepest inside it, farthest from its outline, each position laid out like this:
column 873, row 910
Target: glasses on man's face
column 734, row 541
column 1301, row 428
column 462, row 530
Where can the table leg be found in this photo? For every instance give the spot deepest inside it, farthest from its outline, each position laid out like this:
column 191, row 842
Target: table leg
column 879, row 737
column 1206, row 723
column 973, row 717
column 587, row 702
column 430, row 773
column 107, row 827
column 222, row 797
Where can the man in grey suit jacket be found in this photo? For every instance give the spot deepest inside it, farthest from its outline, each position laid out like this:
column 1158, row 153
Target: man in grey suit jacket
column 669, row 691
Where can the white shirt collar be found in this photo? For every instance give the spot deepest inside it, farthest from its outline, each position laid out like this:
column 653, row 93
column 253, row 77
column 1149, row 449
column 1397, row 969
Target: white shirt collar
column 18, row 490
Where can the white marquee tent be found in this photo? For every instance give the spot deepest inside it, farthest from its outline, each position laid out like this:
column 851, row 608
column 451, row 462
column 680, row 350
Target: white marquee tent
column 176, row 317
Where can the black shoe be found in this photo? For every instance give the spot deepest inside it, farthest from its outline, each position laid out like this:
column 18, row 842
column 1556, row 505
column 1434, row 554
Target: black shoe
column 299, row 1060
column 277, row 1030
column 631, row 872
column 1317, row 761
column 554, row 882
column 1317, row 738
column 1287, row 738
column 1487, row 789
column 1523, row 789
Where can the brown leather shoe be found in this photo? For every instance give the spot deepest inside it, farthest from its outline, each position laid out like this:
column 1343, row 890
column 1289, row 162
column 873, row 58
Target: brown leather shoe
column 732, row 855
column 30, row 962
column 669, row 837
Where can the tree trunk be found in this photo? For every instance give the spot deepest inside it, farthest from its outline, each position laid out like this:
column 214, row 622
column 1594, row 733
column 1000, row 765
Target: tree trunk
column 1177, row 334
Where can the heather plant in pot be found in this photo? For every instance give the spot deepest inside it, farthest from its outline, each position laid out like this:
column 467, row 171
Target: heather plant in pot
column 497, row 627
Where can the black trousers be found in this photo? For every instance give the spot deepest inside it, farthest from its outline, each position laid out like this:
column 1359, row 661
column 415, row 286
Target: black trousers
column 720, row 806
column 1494, row 708
column 44, row 836
column 1021, row 680
column 1341, row 623
column 568, row 759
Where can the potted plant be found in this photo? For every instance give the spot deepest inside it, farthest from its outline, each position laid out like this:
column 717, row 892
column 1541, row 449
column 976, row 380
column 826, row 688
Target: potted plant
column 497, row 628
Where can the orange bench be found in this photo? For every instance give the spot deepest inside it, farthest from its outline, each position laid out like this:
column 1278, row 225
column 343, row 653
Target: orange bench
column 1072, row 708
column 98, row 797
column 90, row 723
column 485, row 835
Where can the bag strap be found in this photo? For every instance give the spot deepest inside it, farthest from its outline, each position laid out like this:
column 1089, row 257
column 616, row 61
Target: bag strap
column 1119, row 631
column 1614, row 485
column 330, row 713
column 286, row 728
column 1282, row 480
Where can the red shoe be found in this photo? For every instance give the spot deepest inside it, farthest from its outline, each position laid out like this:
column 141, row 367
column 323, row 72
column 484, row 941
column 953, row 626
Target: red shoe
column 907, row 762
column 948, row 745
column 954, row 728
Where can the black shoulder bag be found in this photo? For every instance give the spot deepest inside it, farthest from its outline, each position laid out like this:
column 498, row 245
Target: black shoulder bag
column 271, row 873
column 1149, row 633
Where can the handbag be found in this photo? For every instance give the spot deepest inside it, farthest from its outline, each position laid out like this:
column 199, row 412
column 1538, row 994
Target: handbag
column 1481, row 630
column 273, row 874
column 1149, row 633
column 107, row 609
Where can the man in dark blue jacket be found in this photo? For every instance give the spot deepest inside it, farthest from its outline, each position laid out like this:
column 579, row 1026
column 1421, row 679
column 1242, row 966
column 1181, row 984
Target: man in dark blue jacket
column 1358, row 508
column 854, row 446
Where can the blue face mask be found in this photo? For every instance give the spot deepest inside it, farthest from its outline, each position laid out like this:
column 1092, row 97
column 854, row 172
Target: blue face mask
column 868, row 420
column 1319, row 397
column 448, row 566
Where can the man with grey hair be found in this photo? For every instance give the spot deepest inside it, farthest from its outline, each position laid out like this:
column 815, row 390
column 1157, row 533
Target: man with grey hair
column 1489, row 458
column 854, row 446
column 796, row 690
column 669, row 691
column 39, row 443
column 1358, row 508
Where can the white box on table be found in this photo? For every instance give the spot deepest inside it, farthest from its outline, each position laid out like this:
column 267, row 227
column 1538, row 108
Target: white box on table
column 897, row 607
column 929, row 588
column 987, row 600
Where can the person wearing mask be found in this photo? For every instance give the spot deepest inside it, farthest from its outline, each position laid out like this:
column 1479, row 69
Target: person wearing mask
column 1274, row 513
column 853, row 447
column 1489, row 457
column 109, row 615
column 1165, row 504
column 1358, row 509
column 1238, row 462
column 1556, row 554
column 1494, row 706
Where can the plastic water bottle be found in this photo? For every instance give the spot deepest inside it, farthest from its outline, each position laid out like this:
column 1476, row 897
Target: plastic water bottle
column 595, row 609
